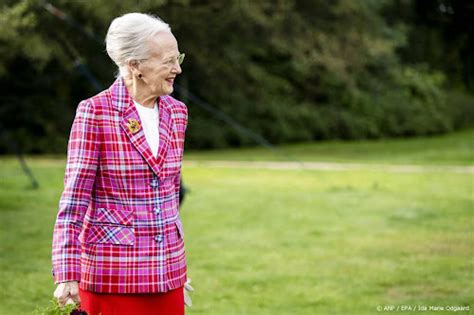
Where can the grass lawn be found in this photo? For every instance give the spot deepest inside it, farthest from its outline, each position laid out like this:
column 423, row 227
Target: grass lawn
column 455, row 148
column 286, row 241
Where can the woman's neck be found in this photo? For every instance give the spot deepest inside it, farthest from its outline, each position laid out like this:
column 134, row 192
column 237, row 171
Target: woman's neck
column 140, row 92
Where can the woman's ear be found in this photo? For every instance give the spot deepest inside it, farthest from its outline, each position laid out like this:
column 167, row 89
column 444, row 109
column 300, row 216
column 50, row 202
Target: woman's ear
column 133, row 68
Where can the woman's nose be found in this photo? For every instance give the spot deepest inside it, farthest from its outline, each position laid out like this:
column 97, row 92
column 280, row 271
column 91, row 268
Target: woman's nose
column 177, row 68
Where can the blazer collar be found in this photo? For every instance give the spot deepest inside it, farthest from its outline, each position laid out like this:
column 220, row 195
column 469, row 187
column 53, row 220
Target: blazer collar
column 122, row 102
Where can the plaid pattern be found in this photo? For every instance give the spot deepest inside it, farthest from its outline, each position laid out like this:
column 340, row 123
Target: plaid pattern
column 118, row 228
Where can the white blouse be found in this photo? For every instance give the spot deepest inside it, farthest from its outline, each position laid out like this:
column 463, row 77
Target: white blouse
column 150, row 124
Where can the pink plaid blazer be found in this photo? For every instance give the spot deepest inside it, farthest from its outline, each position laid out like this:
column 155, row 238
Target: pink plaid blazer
column 118, row 228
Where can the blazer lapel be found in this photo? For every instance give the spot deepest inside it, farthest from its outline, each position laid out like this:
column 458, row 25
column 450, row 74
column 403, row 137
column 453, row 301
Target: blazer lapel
column 137, row 137
column 124, row 104
column 165, row 133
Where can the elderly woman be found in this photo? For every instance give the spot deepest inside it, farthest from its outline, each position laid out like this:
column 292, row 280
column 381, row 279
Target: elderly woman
column 118, row 240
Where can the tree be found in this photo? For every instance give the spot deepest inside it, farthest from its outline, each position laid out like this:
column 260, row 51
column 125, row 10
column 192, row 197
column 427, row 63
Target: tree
column 292, row 70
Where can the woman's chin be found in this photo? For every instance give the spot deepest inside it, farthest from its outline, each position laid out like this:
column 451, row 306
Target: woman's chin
column 168, row 90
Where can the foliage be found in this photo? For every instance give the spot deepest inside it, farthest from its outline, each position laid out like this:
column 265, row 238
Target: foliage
column 440, row 34
column 291, row 70
column 55, row 309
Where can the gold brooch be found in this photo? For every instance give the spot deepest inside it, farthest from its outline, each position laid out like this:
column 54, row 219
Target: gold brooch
column 133, row 125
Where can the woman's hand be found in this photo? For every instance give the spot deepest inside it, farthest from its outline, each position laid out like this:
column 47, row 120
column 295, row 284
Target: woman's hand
column 188, row 288
column 67, row 293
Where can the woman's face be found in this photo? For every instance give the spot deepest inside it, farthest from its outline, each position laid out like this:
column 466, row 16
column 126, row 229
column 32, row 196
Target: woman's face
column 160, row 70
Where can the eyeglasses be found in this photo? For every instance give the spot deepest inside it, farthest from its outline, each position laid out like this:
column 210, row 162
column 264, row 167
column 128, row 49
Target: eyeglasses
column 171, row 62
column 181, row 58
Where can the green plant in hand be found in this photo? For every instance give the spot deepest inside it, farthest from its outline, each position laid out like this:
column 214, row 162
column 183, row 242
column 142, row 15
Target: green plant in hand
column 55, row 309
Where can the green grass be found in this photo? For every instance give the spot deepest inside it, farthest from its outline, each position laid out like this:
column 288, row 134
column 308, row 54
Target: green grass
column 285, row 241
column 456, row 148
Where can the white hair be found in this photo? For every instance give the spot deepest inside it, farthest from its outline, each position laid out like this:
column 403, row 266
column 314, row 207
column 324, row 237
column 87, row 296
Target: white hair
column 127, row 38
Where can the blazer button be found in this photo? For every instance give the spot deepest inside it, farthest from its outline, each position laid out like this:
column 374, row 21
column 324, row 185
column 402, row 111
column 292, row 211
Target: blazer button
column 159, row 238
column 154, row 183
column 157, row 210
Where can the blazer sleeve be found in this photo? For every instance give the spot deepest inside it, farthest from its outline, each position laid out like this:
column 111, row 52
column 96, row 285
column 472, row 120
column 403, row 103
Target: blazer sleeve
column 81, row 168
column 182, row 123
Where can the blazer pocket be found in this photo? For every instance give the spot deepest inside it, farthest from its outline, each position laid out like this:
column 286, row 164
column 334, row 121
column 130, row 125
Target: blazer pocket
column 113, row 216
column 111, row 234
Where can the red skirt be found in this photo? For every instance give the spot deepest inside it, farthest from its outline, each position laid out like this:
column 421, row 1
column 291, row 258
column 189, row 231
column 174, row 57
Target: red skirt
column 169, row 303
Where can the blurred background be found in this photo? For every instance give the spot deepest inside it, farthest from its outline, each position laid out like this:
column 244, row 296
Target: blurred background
column 291, row 71
column 329, row 152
